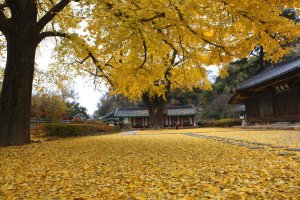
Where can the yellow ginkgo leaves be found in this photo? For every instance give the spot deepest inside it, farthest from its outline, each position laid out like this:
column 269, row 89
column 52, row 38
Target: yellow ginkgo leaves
column 144, row 40
column 145, row 166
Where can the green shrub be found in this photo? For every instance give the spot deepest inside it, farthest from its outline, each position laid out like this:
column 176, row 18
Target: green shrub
column 220, row 123
column 201, row 123
column 67, row 130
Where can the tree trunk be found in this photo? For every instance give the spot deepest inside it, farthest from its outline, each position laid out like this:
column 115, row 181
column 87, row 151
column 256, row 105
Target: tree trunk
column 15, row 100
column 157, row 110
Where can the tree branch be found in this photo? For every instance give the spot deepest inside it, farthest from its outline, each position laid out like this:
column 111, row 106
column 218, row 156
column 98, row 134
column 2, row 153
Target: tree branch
column 83, row 60
column 157, row 15
column 107, row 63
column 46, row 34
column 145, row 50
column 194, row 32
column 52, row 13
column 96, row 63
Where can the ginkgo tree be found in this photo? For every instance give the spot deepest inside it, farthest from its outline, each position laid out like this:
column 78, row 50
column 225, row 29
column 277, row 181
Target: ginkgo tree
column 149, row 48
column 142, row 48
column 25, row 23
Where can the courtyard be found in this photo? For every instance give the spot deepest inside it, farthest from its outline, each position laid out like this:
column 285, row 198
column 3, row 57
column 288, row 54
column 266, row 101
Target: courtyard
column 217, row 163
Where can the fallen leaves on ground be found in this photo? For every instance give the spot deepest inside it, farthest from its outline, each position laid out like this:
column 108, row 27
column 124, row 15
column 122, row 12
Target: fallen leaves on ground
column 165, row 166
column 288, row 138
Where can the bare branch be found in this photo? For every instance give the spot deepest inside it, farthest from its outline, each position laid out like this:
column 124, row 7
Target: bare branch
column 96, row 63
column 107, row 63
column 136, row 5
column 46, row 34
column 89, row 55
column 52, row 13
column 118, row 13
column 94, row 74
column 216, row 45
column 145, row 51
column 83, row 60
column 195, row 32
column 157, row 15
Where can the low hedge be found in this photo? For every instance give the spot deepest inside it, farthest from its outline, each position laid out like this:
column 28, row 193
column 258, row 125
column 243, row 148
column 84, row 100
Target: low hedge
column 220, row 123
column 67, row 130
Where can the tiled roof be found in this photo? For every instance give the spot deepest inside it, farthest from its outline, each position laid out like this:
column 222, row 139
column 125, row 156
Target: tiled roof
column 131, row 112
column 272, row 72
column 143, row 112
column 181, row 111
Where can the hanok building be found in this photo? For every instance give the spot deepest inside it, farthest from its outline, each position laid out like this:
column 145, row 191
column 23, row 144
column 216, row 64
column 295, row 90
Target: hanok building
column 272, row 95
column 139, row 117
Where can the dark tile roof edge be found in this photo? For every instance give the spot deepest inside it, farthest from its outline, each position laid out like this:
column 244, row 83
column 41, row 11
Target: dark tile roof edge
column 109, row 113
column 145, row 108
column 116, row 111
column 253, row 82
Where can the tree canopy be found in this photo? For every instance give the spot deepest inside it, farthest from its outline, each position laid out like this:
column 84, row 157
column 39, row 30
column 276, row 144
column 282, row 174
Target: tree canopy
column 49, row 106
column 161, row 45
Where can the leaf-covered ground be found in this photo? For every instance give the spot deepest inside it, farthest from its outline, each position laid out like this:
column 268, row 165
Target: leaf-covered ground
column 287, row 138
column 168, row 165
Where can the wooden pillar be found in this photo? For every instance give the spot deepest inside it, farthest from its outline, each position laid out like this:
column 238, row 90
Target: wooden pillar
column 298, row 88
column 274, row 104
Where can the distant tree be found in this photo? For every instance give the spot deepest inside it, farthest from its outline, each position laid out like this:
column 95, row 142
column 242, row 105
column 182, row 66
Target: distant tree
column 219, row 108
column 75, row 110
column 48, row 106
column 109, row 103
column 291, row 14
column 182, row 97
column 237, row 72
